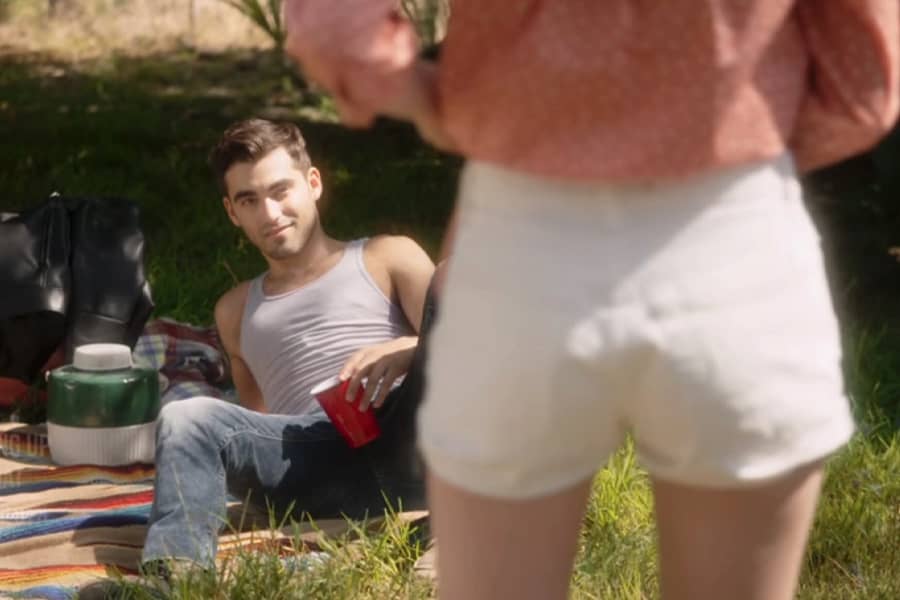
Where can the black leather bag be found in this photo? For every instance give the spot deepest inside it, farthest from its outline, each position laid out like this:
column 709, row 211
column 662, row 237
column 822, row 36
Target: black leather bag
column 71, row 272
column 110, row 295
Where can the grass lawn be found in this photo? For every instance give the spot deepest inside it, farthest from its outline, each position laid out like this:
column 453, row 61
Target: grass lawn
column 139, row 126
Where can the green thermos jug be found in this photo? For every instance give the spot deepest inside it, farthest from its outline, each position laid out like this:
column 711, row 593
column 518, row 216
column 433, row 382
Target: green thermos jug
column 101, row 410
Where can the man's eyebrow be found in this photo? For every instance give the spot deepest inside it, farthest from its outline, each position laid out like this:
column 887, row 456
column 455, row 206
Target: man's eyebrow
column 244, row 194
column 286, row 182
column 281, row 183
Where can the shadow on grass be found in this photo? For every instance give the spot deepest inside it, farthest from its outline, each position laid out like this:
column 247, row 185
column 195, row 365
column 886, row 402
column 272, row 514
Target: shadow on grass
column 855, row 206
column 141, row 127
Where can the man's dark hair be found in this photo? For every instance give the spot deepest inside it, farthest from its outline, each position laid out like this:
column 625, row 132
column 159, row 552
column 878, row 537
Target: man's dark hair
column 250, row 140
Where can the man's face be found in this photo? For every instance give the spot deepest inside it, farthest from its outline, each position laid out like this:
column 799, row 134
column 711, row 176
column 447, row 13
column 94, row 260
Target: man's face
column 273, row 202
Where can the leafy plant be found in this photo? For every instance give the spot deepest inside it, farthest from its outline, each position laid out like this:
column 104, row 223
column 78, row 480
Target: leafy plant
column 428, row 16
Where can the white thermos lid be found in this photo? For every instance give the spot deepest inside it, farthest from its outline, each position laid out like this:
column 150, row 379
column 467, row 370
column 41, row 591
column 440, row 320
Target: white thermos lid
column 102, row 357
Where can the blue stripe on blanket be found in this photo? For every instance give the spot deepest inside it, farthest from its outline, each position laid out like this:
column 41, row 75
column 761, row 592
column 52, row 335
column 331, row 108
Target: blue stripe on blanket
column 27, row 488
column 45, row 592
column 136, row 515
column 9, row 489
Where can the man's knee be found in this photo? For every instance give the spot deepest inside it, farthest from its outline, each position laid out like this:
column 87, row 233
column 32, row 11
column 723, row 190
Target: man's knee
column 183, row 418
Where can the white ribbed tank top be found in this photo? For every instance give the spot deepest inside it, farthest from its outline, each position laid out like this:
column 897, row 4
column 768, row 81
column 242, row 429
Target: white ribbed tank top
column 294, row 340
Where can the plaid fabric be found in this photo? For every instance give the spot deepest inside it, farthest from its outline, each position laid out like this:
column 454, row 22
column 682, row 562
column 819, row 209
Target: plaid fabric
column 190, row 359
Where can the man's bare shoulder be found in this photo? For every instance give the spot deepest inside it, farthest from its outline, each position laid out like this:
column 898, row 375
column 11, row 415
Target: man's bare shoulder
column 393, row 251
column 228, row 311
column 232, row 302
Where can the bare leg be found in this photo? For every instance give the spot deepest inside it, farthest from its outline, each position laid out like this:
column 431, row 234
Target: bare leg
column 742, row 544
column 492, row 548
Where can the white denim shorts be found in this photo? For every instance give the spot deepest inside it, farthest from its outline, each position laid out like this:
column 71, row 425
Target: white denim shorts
column 694, row 315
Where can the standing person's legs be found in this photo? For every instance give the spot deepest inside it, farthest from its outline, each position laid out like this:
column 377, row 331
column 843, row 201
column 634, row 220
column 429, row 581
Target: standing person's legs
column 741, row 544
column 736, row 544
column 491, row 548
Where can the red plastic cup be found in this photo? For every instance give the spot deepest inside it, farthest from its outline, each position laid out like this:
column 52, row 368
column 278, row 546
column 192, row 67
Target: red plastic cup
column 358, row 428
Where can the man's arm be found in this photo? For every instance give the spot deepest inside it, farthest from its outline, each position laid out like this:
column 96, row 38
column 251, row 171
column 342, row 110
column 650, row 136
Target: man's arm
column 228, row 313
column 403, row 271
column 406, row 271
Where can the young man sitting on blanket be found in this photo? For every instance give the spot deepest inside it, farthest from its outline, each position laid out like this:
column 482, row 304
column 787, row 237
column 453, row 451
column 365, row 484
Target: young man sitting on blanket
column 323, row 308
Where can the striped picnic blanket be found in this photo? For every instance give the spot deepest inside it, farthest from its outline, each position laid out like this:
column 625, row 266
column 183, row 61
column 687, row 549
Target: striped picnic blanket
column 64, row 526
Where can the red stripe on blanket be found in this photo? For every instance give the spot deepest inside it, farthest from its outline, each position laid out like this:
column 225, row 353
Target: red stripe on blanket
column 81, row 473
column 11, row 575
column 116, row 501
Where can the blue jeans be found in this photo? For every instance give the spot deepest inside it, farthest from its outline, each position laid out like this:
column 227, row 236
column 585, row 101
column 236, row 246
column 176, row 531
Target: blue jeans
column 208, row 448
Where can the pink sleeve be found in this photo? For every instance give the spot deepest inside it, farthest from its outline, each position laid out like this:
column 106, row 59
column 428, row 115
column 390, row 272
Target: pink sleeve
column 854, row 49
column 358, row 49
